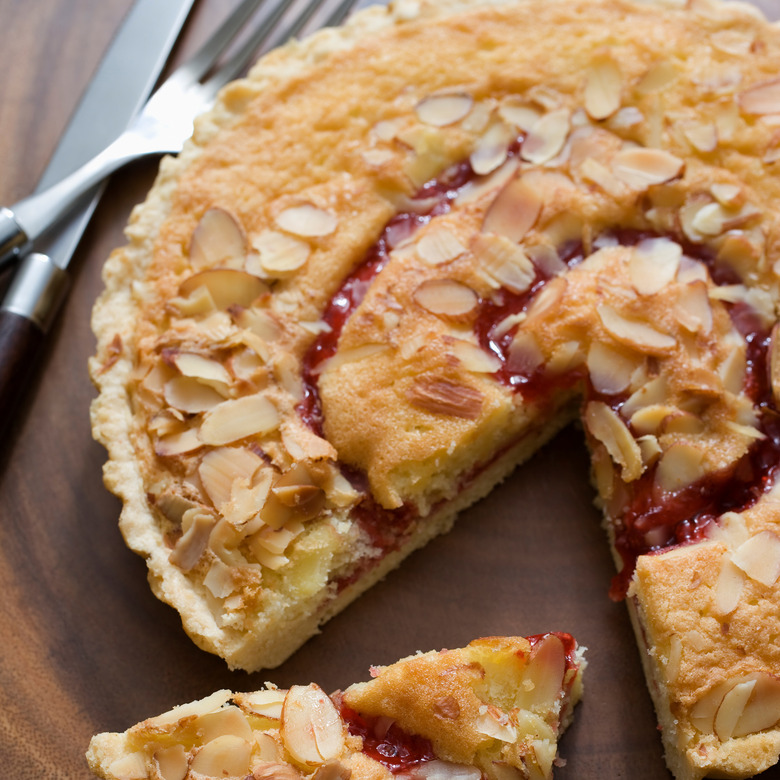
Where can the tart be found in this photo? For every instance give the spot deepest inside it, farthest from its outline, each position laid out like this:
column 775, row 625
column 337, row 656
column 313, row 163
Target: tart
column 399, row 257
column 493, row 709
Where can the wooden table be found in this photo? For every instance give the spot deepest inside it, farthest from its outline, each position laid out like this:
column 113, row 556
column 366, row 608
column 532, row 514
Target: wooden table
column 85, row 647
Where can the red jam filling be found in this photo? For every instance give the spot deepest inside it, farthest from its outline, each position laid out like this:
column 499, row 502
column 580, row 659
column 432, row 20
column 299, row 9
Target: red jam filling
column 386, row 742
column 647, row 523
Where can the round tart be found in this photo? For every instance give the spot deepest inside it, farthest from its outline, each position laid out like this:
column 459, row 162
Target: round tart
column 400, row 256
column 493, row 709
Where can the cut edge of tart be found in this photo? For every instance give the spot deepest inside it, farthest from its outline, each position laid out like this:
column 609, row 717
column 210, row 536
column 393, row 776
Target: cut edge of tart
column 313, row 355
column 493, row 709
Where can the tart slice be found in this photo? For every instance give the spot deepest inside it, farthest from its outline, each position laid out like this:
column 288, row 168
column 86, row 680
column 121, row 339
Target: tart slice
column 493, row 709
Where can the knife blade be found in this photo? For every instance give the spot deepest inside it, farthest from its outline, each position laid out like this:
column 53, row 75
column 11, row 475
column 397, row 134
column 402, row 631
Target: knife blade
column 124, row 79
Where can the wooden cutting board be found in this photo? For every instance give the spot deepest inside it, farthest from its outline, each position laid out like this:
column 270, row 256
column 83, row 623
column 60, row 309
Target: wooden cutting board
column 85, row 647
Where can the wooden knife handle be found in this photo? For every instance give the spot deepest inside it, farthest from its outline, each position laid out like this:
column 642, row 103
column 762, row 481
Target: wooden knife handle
column 21, row 340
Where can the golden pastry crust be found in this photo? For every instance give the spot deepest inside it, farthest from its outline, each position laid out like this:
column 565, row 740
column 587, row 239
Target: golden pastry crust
column 392, row 262
column 492, row 708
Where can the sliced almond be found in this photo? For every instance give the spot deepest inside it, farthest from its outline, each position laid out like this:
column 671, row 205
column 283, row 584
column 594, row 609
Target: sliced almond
column 278, row 253
column 226, row 756
column 443, row 396
column 226, row 286
column 131, row 766
column 681, row 465
column 761, row 99
column 179, row 443
column 759, row 557
column 731, row 709
column 659, row 76
column 439, row 245
column 491, row 150
column 229, row 720
column 190, row 395
column 236, row 419
column 702, row 136
column 547, row 137
column 603, row 88
column 653, row 392
column 446, row 298
column 641, row 168
column 190, row 711
column 220, row 467
column 442, row 110
column 525, row 355
column 610, row 371
column 514, row 211
column 311, row 728
column 217, row 240
column 517, row 112
column 548, row 300
column 729, row 587
column 172, row 763
column 762, row 710
column 693, row 310
column 544, row 673
column 505, row 261
column 197, row 526
column 307, row 220
column 266, row 703
column 605, row 426
column 634, row 333
column 473, row 358
column 199, row 367
column 654, row 264
column 736, row 42
column 495, row 724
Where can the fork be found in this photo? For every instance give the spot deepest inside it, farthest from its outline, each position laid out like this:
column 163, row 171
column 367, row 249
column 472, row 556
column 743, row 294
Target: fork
column 164, row 123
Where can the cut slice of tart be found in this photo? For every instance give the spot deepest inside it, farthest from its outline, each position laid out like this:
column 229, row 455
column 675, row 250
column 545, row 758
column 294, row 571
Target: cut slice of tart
column 493, row 709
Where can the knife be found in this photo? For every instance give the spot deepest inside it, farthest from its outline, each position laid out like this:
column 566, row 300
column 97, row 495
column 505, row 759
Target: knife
column 122, row 82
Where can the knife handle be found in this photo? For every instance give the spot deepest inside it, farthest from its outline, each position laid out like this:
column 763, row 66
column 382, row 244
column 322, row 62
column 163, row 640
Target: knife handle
column 14, row 242
column 28, row 309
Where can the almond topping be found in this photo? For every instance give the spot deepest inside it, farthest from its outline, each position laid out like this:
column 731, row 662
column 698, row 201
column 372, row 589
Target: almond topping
column 223, row 756
column 759, row 557
column 442, row 110
column 442, row 396
column 278, row 253
column 547, row 137
column 199, row 367
column 610, row 371
column 197, row 526
column 641, row 168
column 221, row 467
column 473, row 358
column 660, row 76
column 228, row 720
column 681, row 465
column 172, row 763
column 634, row 333
column 439, row 245
column 311, row 728
column 178, row 443
column 654, row 264
column 491, row 149
column 189, row 395
column 446, row 297
column 226, row 286
column 505, row 261
column 544, row 673
column 514, row 211
column 703, row 136
column 605, row 426
column 307, row 220
column 236, row 419
column 603, row 87
column 217, row 240
column 693, row 310
column 728, row 588
column 266, row 703
column 761, row 99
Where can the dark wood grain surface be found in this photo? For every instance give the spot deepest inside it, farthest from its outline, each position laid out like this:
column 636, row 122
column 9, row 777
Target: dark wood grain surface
column 85, row 647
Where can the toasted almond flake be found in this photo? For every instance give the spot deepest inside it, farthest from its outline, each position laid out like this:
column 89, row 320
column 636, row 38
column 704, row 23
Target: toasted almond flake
column 762, row 710
column 565, row 357
column 386, row 129
column 172, row 763
column 178, row 443
column 474, row 189
column 217, row 240
column 439, row 245
column 727, row 194
column 491, row 150
column 660, row 76
column 504, row 261
column 654, row 264
column 693, row 310
column 473, row 358
column 650, row 419
column 377, row 157
column 225, row 756
column 728, row 588
column 731, row 709
column 351, row 355
column 525, row 355
column 495, row 724
column 610, row 371
column 197, row 526
column 442, row 110
column 603, row 89
column 735, row 42
column 681, row 465
column 547, row 137
column 514, row 211
column 605, row 426
column 545, row 672
column 546, row 258
column 517, row 112
column 761, row 99
column 477, row 120
column 674, row 657
column 732, row 370
column 199, row 367
column 634, row 333
column 220, row 468
column 190, row 395
column 277, row 253
column 650, row 449
column 702, row 136
column 311, row 728
column 548, row 300
column 131, row 766
column 593, row 171
column 219, row 579
column 307, row 220
column 641, row 168
column 226, row 286
column 267, row 703
column 237, row 419
column 228, row 720
column 709, row 220
column 443, row 396
column 190, row 711
column 759, row 557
